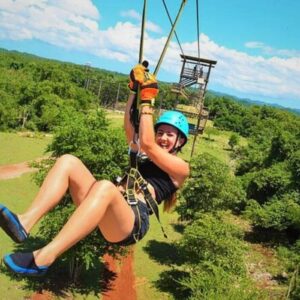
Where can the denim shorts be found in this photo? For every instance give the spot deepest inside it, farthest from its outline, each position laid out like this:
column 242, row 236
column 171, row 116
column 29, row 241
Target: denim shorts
column 137, row 234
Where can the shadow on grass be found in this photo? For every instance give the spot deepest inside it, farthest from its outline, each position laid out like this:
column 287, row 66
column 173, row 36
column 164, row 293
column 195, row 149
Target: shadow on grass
column 94, row 281
column 164, row 253
column 168, row 283
column 227, row 149
column 209, row 139
column 168, row 254
column 179, row 227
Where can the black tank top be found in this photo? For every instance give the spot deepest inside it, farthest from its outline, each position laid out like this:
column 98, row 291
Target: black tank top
column 160, row 180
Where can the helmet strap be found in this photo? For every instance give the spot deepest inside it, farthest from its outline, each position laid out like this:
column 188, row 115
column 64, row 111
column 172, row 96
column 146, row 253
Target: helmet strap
column 176, row 149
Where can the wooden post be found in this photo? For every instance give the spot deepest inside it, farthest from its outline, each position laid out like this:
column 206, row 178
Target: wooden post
column 117, row 98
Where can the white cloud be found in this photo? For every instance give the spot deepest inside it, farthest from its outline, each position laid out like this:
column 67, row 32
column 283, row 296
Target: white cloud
column 131, row 14
column 272, row 51
column 78, row 7
column 75, row 25
column 150, row 26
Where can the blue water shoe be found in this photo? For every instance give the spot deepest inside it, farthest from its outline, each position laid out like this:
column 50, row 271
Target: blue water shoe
column 11, row 225
column 24, row 264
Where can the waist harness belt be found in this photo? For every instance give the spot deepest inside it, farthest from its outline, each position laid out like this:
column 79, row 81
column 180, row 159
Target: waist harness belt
column 135, row 182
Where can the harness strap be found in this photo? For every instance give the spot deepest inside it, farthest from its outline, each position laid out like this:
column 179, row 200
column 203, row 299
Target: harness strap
column 135, row 182
column 132, row 201
column 137, row 215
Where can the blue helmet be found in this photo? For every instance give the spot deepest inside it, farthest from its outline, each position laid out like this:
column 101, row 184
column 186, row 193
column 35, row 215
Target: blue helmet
column 177, row 120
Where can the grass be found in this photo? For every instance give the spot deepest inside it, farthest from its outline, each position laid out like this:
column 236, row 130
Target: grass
column 16, row 148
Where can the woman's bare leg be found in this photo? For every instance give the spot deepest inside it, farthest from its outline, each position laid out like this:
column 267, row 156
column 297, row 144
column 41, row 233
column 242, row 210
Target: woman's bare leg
column 105, row 207
column 68, row 172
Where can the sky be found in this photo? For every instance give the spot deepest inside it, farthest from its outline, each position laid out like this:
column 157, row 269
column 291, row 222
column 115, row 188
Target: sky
column 256, row 43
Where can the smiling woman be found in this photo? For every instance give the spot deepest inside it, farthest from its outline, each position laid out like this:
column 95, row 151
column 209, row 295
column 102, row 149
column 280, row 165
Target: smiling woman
column 120, row 210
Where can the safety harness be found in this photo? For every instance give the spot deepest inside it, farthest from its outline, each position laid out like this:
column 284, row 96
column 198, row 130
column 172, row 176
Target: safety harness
column 136, row 183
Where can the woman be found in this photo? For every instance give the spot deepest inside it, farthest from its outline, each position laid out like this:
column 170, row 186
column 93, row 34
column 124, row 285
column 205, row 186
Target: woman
column 101, row 203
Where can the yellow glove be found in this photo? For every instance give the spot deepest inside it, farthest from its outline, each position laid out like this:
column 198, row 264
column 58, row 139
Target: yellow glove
column 149, row 89
column 137, row 77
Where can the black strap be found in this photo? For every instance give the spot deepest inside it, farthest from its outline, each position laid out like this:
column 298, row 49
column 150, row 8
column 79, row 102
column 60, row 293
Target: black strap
column 133, row 159
column 135, row 181
column 134, row 115
column 136, row 211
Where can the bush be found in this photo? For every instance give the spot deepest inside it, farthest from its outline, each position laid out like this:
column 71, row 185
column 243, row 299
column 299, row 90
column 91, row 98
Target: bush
column 263, row 184
column 233, row 140
column 103, row 150
column 279, row 213
column 294, row 163
column 211, row 282
column 211, row 239
column 214, row 260
column 210, row 187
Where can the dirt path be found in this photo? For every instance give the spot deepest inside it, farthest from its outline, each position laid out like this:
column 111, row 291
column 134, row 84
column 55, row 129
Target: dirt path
column 15, row 170
column 123, row 287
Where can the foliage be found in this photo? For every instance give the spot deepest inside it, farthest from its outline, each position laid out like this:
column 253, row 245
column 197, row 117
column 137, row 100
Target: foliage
column 211, row 238
column 210, row 187
column 213, row 252
column 290, row 255
column 233, row 140
column 263, row 184
column 209, row 281
column 294, row 163
column 103, row 150
column 35, row 92
column 279, row 213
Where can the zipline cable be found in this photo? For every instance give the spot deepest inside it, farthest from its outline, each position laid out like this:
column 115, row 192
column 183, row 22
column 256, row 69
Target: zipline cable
column 142, row 32
column 170, row 19
column 201, row 105
column 169, row 37
column 198, row 28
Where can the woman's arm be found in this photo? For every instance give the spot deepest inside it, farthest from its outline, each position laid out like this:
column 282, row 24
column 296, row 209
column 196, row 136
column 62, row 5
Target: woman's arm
column 176, row 167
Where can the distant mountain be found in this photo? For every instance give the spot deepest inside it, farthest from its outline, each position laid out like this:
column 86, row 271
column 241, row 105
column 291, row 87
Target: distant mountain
column 250, row 102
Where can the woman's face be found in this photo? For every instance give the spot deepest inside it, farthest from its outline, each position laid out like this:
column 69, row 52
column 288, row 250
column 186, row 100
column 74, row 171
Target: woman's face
column 166, row 137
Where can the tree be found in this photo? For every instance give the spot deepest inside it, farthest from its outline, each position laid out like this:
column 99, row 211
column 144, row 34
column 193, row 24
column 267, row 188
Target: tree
column 294, row 163
column 263, row 184
column 209, row 188
column 213, row 253
column 233, row 140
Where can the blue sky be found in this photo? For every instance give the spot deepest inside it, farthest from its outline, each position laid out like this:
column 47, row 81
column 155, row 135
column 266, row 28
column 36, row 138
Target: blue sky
column 256, row 43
